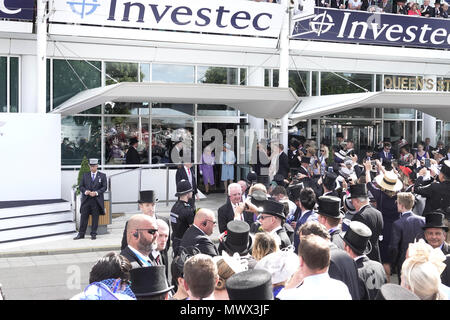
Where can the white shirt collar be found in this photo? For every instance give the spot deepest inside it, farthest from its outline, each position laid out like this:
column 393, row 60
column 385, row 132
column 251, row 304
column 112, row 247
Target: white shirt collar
column 140, row 255
column 358, row 257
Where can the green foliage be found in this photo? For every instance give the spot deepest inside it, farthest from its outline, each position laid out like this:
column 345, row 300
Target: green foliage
column 83, row 169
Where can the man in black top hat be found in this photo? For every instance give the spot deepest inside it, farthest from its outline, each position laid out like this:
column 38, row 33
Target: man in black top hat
column 328, row 183
column 92, row 187
column 132, row 156
column 272, row 220
column 238, row 239
column 435, row 231
column 371, row 272
column 253, row 284
column 294, row 155
column 368, row 215
column 340, row 141
column 182, row 213
column 437, row 193
column 149, row 283
column 329, row 215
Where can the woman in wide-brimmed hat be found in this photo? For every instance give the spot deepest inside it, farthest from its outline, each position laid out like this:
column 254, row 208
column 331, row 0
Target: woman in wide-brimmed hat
column 384, row 189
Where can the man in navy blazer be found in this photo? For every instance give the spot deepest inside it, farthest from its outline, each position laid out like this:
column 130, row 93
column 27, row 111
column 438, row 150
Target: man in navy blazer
column 198, row 233
column 92, row 187
column 385, row 154
column 404, row 230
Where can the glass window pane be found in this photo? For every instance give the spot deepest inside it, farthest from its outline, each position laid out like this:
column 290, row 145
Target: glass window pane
column 145, row 72
column 243, row 76
column 393, row 129
column 172, row 73
column 401, row 113
column 172, row 109
column 129, row 108
column 334, row 84
column 119, row 131
column 419, row 131
column 315, row 83
column 447, row 134
column 379, row 84
column 66, row 81
column 219, row 75
column 48, row 85
column 354, row 113
column 81, row 136
column 3, row 85
column 121, row 71
column 215, row 110
column 14, row 84
column 165, row 132
column 266, row 77
column 275, row 77
column 298, row 81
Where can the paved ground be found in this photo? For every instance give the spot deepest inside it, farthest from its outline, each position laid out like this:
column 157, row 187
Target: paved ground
column 58, row 267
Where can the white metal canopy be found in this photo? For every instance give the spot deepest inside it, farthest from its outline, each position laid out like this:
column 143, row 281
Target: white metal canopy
column 261, row 102
column 433, row 103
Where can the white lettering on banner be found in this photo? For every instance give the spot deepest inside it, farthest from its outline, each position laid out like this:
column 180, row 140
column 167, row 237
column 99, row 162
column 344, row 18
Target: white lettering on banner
column 6, row 10
column 212, row 16
column 339, row 25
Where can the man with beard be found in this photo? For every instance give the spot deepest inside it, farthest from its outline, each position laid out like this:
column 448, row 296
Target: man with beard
column 142, row 232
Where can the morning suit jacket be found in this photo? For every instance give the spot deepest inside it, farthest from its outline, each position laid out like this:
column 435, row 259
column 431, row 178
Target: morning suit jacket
column 194, row 237
column 404, row 231
column 387, row 8
column 343, row 267
column 437, row 194
column 445, row 248
column 283, row 165
column 132, row 258
column 372, row 274
column 336, row 238
column 132, row 156
column 428, row 10
column 225, row 214
column 372, row 218
column 293, row 159
column 99, row 185
column 445, row 275
column 382, row 156
column 181, row 174
column 285, row 240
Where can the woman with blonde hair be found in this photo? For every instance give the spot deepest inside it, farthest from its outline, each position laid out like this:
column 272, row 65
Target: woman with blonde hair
column 421, row 271
column 226, row 267
column 264, row 244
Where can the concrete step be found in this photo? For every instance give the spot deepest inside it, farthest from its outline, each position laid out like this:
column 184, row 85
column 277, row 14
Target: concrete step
column 37, row 231
column 22, row 211
column 35, row 220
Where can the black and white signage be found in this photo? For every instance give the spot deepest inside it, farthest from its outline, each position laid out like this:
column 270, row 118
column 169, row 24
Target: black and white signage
column 235, row 17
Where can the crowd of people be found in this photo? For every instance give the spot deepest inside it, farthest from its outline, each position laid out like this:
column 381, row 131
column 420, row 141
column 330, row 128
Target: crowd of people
column 437, row 10
column 323, row 227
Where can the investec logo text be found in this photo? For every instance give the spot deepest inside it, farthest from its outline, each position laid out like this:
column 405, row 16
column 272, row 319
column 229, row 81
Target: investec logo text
column 424, row 34
column 6, row 10
column 146, row 13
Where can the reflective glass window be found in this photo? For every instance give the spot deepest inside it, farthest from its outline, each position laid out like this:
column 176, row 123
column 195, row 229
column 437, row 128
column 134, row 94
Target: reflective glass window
column 171, row 73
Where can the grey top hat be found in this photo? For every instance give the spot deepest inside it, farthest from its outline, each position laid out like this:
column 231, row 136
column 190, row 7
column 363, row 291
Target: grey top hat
column 93, row 162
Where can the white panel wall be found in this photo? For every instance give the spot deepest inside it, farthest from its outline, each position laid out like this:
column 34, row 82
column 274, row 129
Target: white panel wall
column 30, row 157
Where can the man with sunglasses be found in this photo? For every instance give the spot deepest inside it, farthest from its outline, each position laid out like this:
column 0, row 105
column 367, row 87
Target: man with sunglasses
column 198, row 234
column 142, row 233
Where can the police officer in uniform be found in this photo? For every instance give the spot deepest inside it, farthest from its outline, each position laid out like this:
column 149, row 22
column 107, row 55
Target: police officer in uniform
column 437, row 193
column 92, row 187
column 182, row 214
column 370, row 272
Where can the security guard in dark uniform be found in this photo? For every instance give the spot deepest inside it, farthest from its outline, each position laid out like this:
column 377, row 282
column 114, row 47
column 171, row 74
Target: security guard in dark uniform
column 437, row 193
column 182, row 214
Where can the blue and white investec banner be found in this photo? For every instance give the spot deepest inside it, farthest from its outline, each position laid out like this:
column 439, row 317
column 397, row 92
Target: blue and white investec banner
column 373, row 28
column 17, row 9
column 213, row 16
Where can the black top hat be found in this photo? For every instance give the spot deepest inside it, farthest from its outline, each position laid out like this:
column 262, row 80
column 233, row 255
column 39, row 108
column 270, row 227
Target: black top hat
column 279, row 179
column 273, row 208
column 329, row 180
column 437, row 2
column 357, row 237
column 358, row 190
column 147, row 196
column 387, row 139
column 445, row 169
column 238, row 237
column 133, row 141
column 183, row 187
column 255, row 284
column 392, row 291
column 294, row 191
column 330, row 206
column 251, row 177
column 339, row 135
column 149, row 281
column 435, row 219
column 306, row 160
